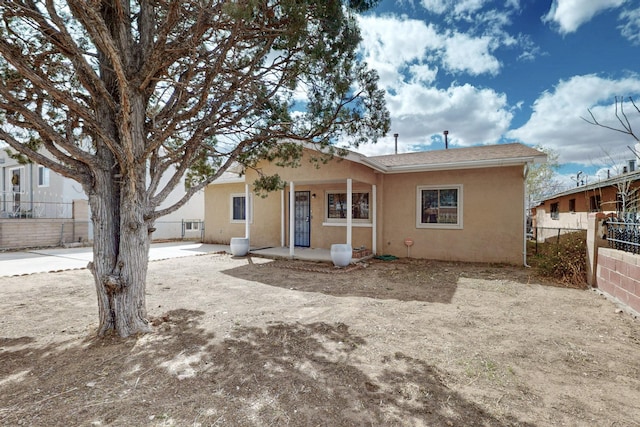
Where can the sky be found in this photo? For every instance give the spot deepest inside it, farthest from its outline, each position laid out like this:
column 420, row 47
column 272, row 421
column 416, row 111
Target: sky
column 499, row 71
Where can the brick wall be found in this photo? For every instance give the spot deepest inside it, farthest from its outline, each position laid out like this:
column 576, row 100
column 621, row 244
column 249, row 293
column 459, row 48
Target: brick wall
column 618, row 274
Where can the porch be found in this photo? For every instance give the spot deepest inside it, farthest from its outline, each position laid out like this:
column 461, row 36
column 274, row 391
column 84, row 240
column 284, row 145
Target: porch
column 307, row 254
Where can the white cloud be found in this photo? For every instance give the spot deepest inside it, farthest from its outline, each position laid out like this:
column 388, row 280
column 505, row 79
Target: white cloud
column 630, row 29
column 568, row 15
column 471, row 115
column 556, row 121
column 457, row 7
column 386, row 49
column 436, row 6
column 468, row 6
column 423, row 74
column 469, row 54
column 420, row 110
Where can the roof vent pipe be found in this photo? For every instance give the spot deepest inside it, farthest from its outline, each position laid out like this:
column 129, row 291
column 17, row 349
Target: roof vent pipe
column 446, row 141
column 395, row 135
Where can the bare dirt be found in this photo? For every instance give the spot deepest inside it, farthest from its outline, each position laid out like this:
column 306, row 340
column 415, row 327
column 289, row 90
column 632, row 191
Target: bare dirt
column 253, row 342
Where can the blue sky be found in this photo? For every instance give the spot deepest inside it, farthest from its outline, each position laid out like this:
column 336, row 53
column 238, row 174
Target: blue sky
column 509, row 70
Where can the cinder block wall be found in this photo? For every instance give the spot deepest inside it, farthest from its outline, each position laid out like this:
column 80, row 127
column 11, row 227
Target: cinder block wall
column 27, row 233
column 39, row 232
column 618, row 274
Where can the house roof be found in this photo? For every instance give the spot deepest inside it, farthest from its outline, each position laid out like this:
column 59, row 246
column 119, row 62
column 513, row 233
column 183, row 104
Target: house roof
column 630, row 176
column 512, row 154
column 460, row 158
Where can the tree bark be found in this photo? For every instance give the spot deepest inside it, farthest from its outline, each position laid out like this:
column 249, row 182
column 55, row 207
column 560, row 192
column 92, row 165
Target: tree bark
column 120, row 254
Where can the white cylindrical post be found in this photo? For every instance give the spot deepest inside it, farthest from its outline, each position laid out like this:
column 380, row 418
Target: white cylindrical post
column 292, row 218
column 247, row 210
column 282, row 218
column 349, row 209
column 374, row 219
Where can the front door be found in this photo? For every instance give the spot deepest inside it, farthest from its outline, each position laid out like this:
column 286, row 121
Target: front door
column 302, row 214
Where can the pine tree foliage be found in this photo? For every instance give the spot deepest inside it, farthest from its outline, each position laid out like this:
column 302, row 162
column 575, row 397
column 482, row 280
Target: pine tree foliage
column 128, row 97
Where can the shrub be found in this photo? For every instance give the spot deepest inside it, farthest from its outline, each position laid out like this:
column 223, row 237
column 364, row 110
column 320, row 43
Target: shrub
column 564, row 259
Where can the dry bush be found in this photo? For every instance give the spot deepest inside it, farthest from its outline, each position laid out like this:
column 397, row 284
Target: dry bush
column 564, row 259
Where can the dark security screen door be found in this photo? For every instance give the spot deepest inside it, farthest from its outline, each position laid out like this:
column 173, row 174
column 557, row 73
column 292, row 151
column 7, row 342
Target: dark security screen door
column 302, row 214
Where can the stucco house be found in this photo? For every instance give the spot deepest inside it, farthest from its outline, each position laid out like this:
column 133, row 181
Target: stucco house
column 568, row 210
column 463, row 204
column 33, row 191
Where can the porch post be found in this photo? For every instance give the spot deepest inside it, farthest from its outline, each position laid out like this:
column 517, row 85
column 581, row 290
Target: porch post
column 282, row 211
column 292, row 218
column 247, row 211
column 349, row 209
column 374, row 219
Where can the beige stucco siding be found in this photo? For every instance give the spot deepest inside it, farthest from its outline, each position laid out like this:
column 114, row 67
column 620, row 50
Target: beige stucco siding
column 492, row 208
column 493, row 216
column 265, row 229
column 334, row 170
column 217, row 213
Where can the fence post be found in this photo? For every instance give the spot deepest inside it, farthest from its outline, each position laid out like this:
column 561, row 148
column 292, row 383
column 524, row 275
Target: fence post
column 594, row 241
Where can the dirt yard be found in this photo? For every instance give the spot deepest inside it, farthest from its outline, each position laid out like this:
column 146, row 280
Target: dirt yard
column 250, row 342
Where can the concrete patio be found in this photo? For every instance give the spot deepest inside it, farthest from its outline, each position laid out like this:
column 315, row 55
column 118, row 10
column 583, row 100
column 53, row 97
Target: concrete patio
column 306, row 254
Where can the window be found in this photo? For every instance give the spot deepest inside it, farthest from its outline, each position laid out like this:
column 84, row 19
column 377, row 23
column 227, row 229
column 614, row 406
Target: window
column 555, row 212
column 238, row 208
column 439, row 207
column 594, row 203
column 572, row 205
column 337, row 206
column 192, row 225
column 43, row 176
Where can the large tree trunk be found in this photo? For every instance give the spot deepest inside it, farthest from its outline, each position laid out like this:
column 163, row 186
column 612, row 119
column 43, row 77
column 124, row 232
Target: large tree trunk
column 122, row 225
column 120, row 253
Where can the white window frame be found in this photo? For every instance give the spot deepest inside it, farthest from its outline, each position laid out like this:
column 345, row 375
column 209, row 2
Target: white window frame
column 46, row 176
column 192, row 225
column 457, row 226
column 343, row 221
column 240, row 221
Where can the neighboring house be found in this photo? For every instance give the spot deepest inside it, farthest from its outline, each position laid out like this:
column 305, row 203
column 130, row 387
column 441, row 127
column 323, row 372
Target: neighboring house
column 30, row 191
column 39, row 207
column 463, row 204
column 33, row 191
column 568, row 210
column 187, row 221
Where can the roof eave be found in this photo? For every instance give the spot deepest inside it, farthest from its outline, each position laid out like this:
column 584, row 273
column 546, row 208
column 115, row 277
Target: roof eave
column 240, row 180
column 470, row 164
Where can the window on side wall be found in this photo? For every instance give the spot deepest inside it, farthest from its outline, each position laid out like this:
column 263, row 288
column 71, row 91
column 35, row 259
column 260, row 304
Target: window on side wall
column 337, row 207
column 238, row 208
column 192, row 225
column 572, row 205
column 439, row 206
column 43, row 176
column 555, row 211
